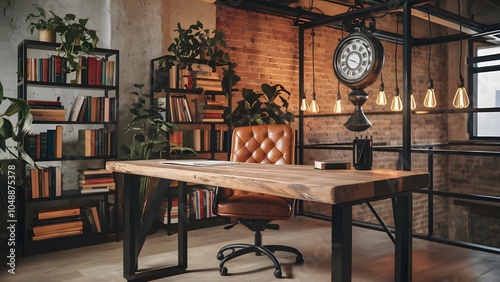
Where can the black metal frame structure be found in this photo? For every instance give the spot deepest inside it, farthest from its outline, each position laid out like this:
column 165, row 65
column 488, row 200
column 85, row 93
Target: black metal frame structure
column 483, row 32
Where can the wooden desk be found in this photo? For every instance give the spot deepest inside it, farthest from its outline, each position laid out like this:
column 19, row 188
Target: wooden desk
column 340, row 188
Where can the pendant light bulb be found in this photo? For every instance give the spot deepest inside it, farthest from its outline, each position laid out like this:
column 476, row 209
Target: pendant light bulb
column 413, row 104
column 304, row 106
column 381, row 98
column 338, row 106
column 461, row 99
column 314, row 106
column 430, row 96
column 397, row 104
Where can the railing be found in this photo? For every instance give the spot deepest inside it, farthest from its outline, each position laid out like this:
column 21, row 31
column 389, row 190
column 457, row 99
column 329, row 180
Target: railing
column 430, row 150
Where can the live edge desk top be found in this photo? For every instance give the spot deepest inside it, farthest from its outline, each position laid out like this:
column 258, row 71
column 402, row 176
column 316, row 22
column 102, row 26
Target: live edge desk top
column 340, row 188
column 301, row 182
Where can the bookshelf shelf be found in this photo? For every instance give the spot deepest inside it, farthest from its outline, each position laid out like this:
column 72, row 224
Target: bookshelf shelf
column 70, row 194
column 55, row 143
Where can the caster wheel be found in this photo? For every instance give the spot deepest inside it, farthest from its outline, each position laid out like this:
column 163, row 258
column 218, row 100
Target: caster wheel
column 299, row 259
column 277, row 273
column 223, row 271
column 220, row 256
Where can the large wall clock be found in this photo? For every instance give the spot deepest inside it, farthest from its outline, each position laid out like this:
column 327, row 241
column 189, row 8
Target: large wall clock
column 357, row 62
column 358, row 59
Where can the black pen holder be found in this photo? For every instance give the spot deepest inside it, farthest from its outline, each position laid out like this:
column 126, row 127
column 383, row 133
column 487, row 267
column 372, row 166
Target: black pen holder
column 362, row 153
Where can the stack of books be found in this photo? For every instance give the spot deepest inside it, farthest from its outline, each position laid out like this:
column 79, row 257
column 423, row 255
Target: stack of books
column 96, row 180
column 206, row 79
column 210, row 111
column 57, row 222
column 162, row 213
column 47, row 110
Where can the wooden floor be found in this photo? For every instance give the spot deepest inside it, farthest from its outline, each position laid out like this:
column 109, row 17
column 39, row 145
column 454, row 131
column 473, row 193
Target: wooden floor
column 372, row 258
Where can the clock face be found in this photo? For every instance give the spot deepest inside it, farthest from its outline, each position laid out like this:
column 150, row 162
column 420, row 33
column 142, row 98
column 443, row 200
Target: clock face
column 358, row 60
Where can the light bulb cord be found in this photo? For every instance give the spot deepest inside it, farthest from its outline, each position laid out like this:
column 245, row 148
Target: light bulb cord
column 396, row 55
column 461, row 79
column 430, row 45
column 314, row 82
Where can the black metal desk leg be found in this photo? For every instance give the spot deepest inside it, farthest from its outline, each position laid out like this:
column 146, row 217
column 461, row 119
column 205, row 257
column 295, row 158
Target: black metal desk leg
column 341, row 243
column 131, row 226
column 182, row 225
column 403, row 253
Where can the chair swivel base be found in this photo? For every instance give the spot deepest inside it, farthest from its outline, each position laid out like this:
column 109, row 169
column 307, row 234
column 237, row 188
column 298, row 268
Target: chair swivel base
column 268, row 250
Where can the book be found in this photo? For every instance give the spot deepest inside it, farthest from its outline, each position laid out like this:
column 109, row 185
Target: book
column 110, row 72
column 331, row 165
column 58, row 142
column 77, row 107
column 58, row 235
column 57, row 212
column 96, row 190
column 35, row 188
column 57, row 227
column 99, row 180
column 96, row 219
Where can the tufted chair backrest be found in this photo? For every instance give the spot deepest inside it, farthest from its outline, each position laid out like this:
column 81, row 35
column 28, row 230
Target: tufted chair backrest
column 266, row 144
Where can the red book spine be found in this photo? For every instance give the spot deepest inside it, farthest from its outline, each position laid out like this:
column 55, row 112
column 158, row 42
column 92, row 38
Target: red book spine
column 98, row 72
column 98, row 180
column 58, row 69
column 45, row 69
column 92, row 66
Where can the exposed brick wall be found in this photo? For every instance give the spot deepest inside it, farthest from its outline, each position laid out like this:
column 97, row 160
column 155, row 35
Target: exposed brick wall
column 266, row 50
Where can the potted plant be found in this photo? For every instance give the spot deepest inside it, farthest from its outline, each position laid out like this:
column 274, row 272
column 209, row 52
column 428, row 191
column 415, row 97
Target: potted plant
column 72, row 32
column 149, row 135
column 43, row 24
column 252, row 111
column 194, row 42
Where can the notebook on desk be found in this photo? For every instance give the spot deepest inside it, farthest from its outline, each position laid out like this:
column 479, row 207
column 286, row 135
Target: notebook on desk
column 198, row 162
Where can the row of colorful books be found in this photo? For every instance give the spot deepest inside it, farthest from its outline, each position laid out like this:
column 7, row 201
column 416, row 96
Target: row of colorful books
column 93, row 109
column 180, row 110
column 96, row 181
column 96, row 142
column 46, row 145
column 54, row 69
column 46, row 182
column 201, row 139
column 200, row 206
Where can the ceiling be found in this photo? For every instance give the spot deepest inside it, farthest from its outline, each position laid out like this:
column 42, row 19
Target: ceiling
column 479, row 17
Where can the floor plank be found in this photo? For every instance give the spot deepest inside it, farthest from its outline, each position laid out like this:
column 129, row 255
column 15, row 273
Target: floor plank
column 372, row 258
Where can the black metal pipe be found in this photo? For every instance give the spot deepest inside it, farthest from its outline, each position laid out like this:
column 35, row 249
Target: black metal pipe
column 406, row 85
column 301, row 94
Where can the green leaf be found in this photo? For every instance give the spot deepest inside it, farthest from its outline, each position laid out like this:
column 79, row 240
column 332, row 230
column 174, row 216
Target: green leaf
column 1, row 92
column 125, row 149
column 23, row 127
column 140, row 138
column 69, row 17
column 24, row 156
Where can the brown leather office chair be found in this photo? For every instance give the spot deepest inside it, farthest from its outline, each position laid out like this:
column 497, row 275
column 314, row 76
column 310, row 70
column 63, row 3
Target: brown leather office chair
column 266, row 144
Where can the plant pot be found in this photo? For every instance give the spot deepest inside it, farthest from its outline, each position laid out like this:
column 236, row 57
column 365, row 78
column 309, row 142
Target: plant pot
column 47, row 35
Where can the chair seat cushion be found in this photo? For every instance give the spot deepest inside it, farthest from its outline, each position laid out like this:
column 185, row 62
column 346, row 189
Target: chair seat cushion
column 255, row 206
